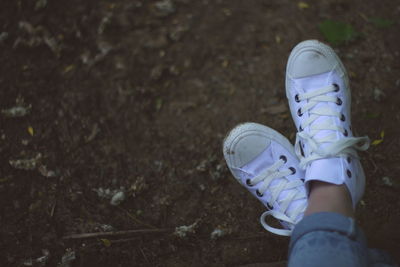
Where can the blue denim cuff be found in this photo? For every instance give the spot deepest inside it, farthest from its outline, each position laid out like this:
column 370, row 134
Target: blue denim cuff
column 330, row 222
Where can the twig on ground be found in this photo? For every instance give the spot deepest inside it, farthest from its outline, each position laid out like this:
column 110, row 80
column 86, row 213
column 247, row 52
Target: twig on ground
column 53, row 208
column 369, row 157
column 136, row 219
column 144, row 255
column 116, row 234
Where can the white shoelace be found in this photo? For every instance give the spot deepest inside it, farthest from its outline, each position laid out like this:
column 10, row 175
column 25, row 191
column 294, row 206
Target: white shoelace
column 343, row 147
column 266, row 177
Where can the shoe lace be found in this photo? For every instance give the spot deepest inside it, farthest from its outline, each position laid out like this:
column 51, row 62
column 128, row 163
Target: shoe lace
column 342, row 147
column 282, row 183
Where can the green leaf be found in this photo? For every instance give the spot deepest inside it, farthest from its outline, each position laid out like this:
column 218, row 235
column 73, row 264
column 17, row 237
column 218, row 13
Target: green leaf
column 2, row 180
column 159, row 103
column 372, row 115
column 337, row 33
column 381, row 23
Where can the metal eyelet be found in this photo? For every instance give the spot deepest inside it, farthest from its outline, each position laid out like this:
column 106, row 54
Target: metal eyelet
column 293, row 170
column 339, row 101
column 283, row 158
column 342, row 118
column 248, row 182
column 269, row 206
column 348, row 173
column 296, row 98
column 259, row 194
column 345, row 133
column 337, row 88
column 302, row 150
column 299, row 112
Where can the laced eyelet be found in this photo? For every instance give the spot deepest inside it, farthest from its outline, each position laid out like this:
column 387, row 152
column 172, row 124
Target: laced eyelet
column 293, row 170
column 300, row 128
column 283, row 158
column 348, row 173
column 269, row 206
column 337, row 88
column 299, row 112
column 345, row 133
column 302, row 150
column 342, row 118
column 296, row 98
column 348, row 160
column 248, row 182
column 302, row 179
column 339, row 101
column 259, row 194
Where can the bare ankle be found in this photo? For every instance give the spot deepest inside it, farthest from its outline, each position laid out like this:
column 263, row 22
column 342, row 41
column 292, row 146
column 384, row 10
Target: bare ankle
column 327, row 197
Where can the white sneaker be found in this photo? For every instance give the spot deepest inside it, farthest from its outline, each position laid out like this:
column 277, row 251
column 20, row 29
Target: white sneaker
column 264, row 162
column 317, row 87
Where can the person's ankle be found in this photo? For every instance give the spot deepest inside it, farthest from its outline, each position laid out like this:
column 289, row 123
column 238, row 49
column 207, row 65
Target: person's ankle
column 327, row 197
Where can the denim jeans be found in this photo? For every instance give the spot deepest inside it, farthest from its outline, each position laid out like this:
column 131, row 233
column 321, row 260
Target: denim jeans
column 329, row 239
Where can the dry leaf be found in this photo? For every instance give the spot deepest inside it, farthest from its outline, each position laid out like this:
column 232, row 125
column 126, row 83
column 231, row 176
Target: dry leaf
column 30, row 130
column 278, row 39
column 302, row 5
column 275, row 109
column 378, row 141
column 69, row 68
column 106, row 242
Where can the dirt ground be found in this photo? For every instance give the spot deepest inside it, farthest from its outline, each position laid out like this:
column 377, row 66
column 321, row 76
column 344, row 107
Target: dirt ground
column 101, row 97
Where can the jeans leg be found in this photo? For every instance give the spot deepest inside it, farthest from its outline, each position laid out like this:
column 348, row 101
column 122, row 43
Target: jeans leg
column 327, row 239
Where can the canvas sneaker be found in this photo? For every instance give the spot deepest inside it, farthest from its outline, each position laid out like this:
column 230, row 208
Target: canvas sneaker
column 317, row 88
column 264, row 162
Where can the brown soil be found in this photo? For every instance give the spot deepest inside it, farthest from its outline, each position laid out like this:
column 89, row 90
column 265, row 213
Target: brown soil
column 127, row 94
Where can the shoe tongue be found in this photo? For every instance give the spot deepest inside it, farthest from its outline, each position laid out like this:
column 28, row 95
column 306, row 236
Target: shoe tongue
column 313, row 83
column 260, row 163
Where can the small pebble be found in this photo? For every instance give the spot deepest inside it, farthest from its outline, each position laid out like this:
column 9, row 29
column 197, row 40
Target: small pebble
column 387, row 181
column 117, row 198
